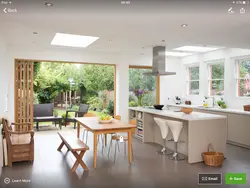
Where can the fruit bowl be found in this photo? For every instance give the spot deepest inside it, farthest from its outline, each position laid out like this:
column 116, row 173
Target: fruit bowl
column 105, row 121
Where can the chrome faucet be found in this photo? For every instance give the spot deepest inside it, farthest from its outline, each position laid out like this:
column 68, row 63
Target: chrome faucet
column 213, row 100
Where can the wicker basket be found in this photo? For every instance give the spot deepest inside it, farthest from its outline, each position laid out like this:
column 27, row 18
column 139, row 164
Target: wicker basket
column 246, row 107
column 212, row 158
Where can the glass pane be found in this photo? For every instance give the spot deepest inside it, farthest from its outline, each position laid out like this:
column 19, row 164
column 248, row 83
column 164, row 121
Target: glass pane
column 244, row 88
column 217, row 71
column 217, row 87
column 193, row 88
column 244, row 68
column 142, row 89
column 194, row 73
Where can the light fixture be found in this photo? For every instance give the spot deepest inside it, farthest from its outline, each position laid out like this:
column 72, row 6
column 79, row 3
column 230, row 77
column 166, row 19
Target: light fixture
column 62, row 39
column 184, row 25
column 48, row 4
column 163, row 40
column 35, row 33
column 195, row 49
column 177, row 54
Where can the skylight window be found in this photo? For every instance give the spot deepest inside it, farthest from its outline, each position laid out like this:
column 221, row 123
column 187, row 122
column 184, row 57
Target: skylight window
column 177, row 54
column 81, row 41
column 195, row 49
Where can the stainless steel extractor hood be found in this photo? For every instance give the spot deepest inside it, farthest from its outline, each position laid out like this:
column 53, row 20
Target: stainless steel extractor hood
column 159, row 63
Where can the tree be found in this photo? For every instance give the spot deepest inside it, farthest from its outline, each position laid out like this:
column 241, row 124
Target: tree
column 139, row 81
column 97, row 78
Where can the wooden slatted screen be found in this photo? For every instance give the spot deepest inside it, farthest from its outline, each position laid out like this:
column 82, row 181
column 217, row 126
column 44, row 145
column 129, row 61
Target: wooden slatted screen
column 24, row 93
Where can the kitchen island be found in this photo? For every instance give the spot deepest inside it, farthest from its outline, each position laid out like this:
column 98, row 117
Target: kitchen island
column 199, row 129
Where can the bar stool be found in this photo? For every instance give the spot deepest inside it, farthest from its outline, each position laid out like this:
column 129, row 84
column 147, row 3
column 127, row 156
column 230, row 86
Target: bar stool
column 175, row 127
column 164, row 133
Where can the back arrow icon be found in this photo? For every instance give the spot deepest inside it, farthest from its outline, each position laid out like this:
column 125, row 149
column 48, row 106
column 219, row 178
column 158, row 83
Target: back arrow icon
column 5, row 10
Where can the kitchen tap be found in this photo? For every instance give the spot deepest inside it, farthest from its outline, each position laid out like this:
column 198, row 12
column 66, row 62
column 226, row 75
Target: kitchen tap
column 213, row 98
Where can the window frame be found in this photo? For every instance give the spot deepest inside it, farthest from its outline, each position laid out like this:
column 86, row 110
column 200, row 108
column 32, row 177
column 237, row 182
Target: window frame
column 209, row 78
column 157, row 80
column 238, row 78
column 188, row 80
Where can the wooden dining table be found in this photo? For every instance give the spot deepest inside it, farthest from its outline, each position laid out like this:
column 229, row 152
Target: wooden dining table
column 116, row 126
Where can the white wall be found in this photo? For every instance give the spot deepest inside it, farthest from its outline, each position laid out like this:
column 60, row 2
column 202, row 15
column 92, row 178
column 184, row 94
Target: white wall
column 229, row 55
column 169, row 86
column 3, row 77
column 4, row 88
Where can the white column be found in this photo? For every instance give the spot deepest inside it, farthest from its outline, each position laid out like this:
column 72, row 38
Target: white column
column 122, row 91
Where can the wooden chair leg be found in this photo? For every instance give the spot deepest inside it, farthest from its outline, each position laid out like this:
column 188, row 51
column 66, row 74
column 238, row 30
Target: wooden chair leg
column 60, row 147
column 79, row 161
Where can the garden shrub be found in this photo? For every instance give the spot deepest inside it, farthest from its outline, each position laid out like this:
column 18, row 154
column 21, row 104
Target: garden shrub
column 149, row 99
column 95, row 103
column 132, row 97
column 110, row 107
column 132, row 104
column 105, row 111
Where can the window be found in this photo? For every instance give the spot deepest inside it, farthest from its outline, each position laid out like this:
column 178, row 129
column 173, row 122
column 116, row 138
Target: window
column 216, row 78
column 243, row 77
column 193, row 80
column 143, row 90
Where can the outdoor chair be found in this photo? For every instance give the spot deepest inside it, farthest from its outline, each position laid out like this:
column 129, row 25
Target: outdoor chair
column 83, row 109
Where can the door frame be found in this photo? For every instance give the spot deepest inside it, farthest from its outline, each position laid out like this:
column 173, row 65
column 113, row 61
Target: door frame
column 52, row 61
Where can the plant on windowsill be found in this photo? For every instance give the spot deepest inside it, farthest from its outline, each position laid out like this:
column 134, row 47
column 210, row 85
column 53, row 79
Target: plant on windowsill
column 221, row 103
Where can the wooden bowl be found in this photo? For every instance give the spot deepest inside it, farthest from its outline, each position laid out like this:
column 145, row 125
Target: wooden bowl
column 187, row 110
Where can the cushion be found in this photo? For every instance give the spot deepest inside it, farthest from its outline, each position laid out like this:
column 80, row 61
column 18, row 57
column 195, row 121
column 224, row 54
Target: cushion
column 20, row 139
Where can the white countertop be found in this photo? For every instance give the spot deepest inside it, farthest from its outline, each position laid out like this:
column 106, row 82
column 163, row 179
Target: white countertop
column 218, row 109
column 194, row 116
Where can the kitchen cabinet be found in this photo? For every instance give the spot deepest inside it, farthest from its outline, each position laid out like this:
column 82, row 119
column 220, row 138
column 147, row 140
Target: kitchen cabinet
column 238, row 127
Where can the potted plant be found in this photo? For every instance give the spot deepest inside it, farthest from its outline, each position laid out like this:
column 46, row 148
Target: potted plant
column 64, row 118
column 55, row 112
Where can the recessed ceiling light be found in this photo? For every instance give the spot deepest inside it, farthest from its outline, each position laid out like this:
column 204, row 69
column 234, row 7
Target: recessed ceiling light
column 70, row 40
column 48, row 4
column 195, row 49
column 142, row 53
column 163, row 40
column 35, row 33
column 184, row 25
column 177, row 54
column 110, row 40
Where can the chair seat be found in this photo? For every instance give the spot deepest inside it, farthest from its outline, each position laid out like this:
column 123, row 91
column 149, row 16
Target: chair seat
column 117, row 137
column 20, row 139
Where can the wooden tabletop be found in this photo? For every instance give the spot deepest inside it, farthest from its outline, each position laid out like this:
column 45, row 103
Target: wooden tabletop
column 93, row 124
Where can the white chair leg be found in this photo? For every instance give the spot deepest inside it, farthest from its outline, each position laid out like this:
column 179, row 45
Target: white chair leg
column 110, row 145
column 87, row 132
column 116, row 145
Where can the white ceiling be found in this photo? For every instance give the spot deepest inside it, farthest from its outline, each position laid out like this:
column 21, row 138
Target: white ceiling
column 143, row 23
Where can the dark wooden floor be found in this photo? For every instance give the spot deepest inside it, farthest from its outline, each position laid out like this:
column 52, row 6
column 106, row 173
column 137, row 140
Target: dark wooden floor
column 52, row 168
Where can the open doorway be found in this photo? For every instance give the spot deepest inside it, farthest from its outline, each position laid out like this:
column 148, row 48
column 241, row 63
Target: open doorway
column 66, row 86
